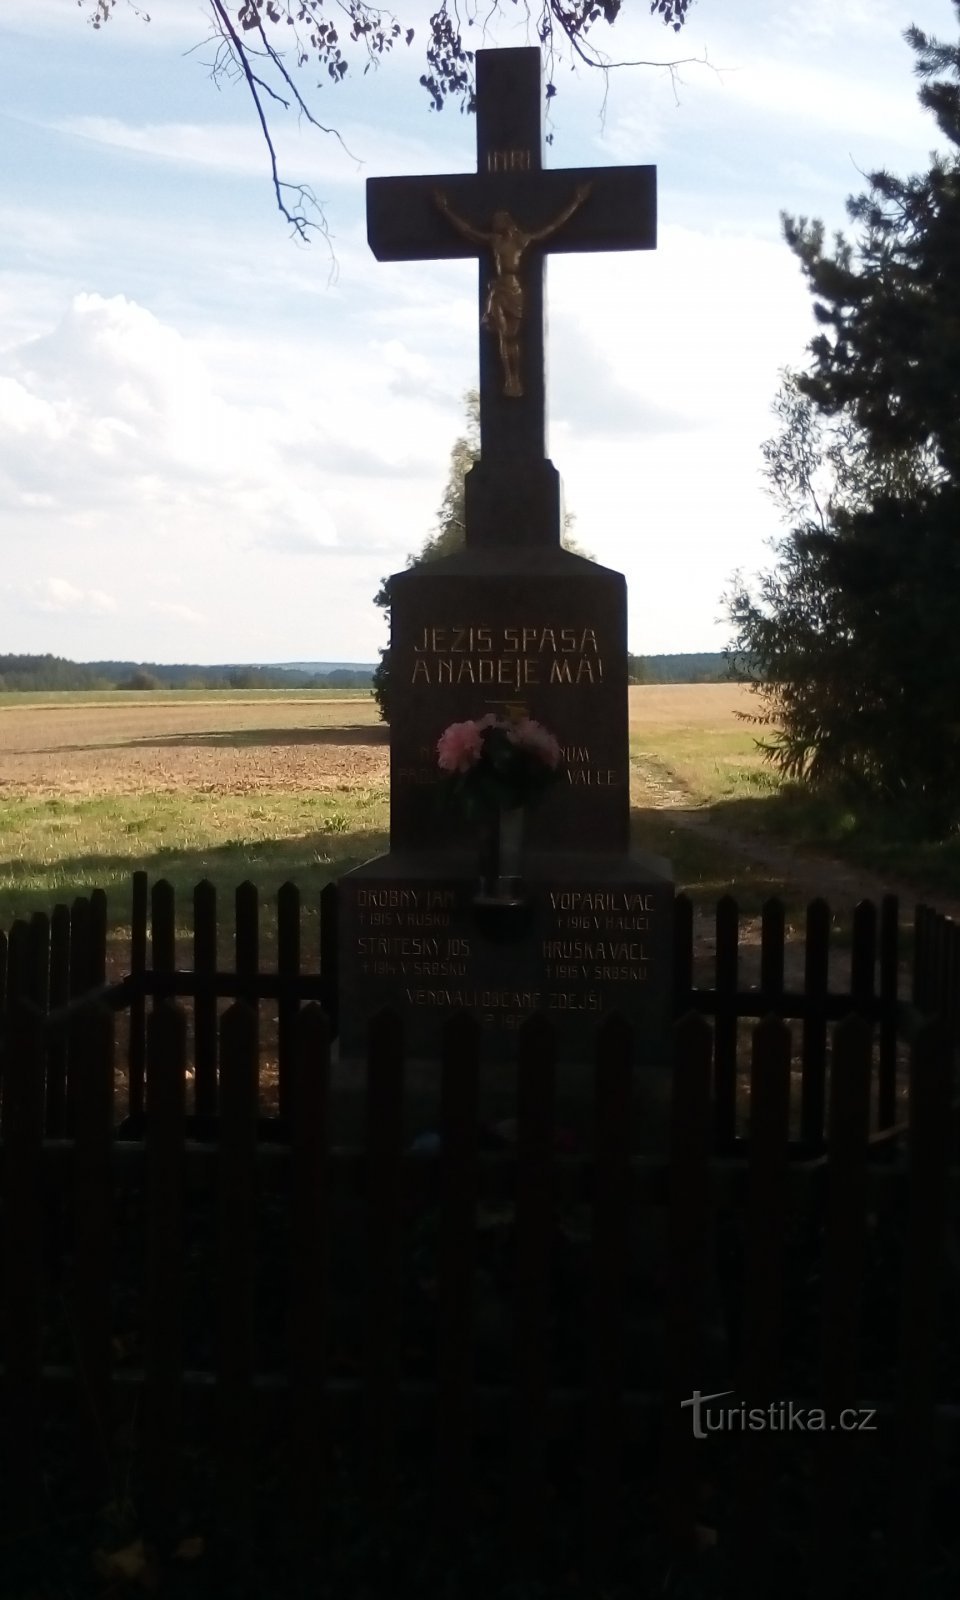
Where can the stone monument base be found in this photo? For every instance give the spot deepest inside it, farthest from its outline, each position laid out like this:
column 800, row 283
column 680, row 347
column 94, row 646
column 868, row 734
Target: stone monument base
column 591, row 937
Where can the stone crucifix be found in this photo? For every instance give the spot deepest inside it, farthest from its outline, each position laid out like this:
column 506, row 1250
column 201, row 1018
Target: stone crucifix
column 510, row 212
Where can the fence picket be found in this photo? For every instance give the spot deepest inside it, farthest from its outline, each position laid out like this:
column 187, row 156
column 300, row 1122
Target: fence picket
column 921, row 925
column 814, row 1047
column 863, row 956
column 889, row 989
column 81, row 937
column 163, row 927
column 953, row 982
column 766, row 1221
column 929, row 1153
column 682, row 953
column 91, row 1288
column 80, row 976
column 844, row 1242
column 23, row 1267
column 18, row 964
column 205, row 1000
column 288, row 966
column 536, row 1119
column 99, row 922
column 38, row 976
column 942, row 975
column 383, row 1144
column 236, row 1219
column 725, row 1027
column 57, row 1046
column 166, row 1096
column 137, row 1041
column 687, row 1266
column 3, row 1008
column 309, row 1265
column 329, row 952
column 611, row 1220
column 247, row 939
column 459, row 1100
column 16, row 978
column 934, row 957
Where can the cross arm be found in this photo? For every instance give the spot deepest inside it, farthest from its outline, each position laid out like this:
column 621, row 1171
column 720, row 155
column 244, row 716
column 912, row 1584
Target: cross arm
column 404, row 222
column 619, row 213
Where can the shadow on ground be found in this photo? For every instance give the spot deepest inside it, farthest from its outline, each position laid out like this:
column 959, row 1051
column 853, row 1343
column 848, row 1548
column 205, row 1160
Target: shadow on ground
column 359, row 733
column 309, row 860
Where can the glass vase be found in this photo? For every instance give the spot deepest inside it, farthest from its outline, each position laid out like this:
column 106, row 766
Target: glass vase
column 501, row 881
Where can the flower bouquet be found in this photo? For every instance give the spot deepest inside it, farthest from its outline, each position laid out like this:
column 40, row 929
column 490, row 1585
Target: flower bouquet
column 498, row 762
column 495, row 768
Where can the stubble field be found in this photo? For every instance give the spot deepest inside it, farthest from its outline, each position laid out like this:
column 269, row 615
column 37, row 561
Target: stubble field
column 96, row 749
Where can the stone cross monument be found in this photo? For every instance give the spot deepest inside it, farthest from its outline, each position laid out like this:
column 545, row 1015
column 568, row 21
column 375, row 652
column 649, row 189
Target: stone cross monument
column 510, row 212
column 511, row 622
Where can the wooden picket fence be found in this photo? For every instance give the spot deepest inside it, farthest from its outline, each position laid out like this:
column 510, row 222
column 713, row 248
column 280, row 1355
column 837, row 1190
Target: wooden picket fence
column 59, row 963
column 320, row 1405
column 856, row 1179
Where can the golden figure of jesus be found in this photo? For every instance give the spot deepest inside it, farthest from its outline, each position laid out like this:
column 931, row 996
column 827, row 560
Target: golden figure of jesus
column 508, row 243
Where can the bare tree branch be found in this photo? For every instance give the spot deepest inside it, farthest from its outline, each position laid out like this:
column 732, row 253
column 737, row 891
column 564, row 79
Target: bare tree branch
column 304, row 196
column 240, row 28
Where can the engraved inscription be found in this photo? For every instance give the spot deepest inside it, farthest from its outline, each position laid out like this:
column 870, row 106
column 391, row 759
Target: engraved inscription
column 513, row 658
column 517, row 160
column 595, row 943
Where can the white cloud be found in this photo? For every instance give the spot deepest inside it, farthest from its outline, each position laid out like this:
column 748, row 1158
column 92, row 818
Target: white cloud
column 227, row 147
column 344, row 153
column 113, row 408
column 209, row 488
column 56, row 596
column 178, row 613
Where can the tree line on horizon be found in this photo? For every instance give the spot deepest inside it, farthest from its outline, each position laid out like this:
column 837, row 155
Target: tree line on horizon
column 36, row 674
column 33, row 674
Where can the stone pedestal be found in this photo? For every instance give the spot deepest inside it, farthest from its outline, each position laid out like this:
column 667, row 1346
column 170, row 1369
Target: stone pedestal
column 500, row 629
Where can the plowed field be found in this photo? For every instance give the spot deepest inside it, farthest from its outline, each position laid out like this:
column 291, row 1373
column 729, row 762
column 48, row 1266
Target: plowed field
column 201, row 747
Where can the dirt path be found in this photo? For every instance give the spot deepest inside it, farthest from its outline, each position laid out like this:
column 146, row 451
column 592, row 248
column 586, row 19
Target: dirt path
column 805, row 874
column 813, row 873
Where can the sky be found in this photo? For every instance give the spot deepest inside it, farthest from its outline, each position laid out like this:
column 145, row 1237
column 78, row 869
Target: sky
column 216, row 440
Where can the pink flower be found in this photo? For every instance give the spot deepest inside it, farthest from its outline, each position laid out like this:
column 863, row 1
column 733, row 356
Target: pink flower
column 459, row 747
column 533, row 736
